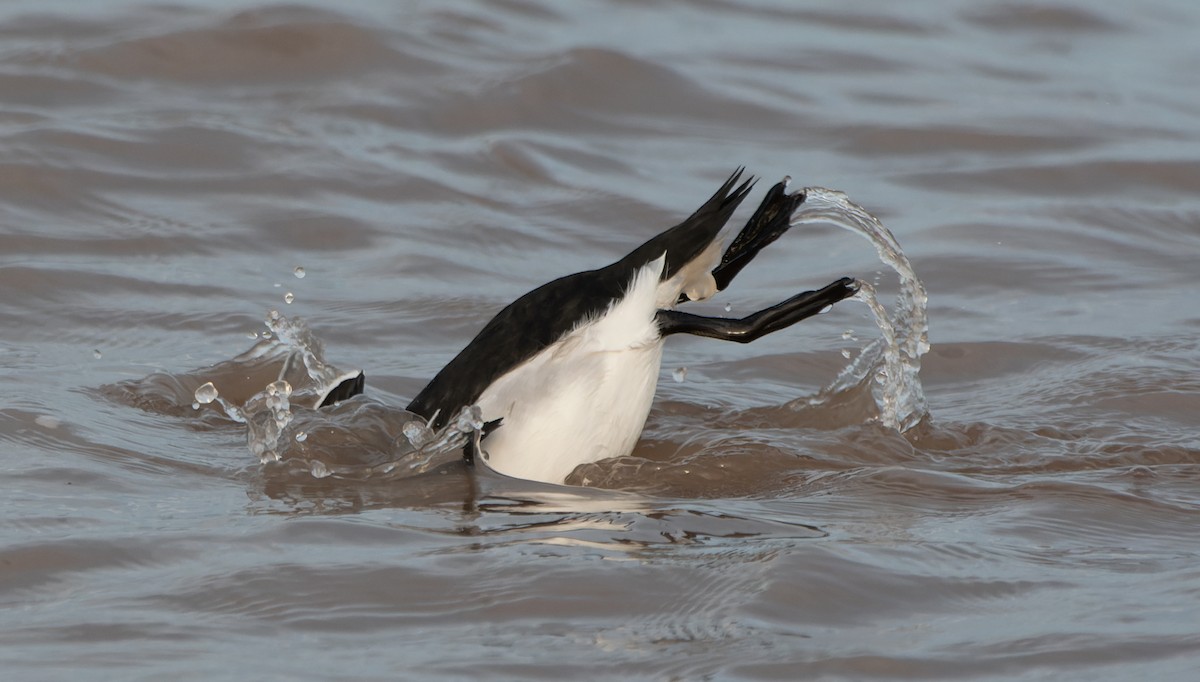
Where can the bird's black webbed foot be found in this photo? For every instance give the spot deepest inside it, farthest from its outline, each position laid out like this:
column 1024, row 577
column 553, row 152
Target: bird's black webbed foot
column 759, row 324
column 769, row 222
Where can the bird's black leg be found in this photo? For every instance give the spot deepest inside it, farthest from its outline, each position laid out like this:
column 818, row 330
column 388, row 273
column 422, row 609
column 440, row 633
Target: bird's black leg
column 763, row 322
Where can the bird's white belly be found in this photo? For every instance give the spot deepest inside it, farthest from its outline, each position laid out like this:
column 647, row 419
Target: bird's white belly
column 584, row 398
column 568, row 411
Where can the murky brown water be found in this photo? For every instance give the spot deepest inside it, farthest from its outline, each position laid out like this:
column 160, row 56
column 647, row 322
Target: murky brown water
column 165, row 167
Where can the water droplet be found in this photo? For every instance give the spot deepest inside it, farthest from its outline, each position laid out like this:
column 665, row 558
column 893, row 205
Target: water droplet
column 97, row 354
column 846, row 353
column 679, row 374
column 289, row 297
column 318, row 469
column 206, row 393
column 254, row 335
column 195, row 406
column 417, row 433
column 728, row 307
column 47, row 422
column 298, row 272
column 301, row 436
column 825, row 309
column 279, row 390
column 848, row 335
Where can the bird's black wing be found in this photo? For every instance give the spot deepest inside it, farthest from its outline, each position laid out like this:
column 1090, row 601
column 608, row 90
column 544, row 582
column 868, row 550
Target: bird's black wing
column 687, row 240
column 541, row 317
column 517, row 333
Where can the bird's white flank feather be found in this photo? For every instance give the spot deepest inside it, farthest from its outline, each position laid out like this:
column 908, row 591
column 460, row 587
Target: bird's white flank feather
column 584, row 398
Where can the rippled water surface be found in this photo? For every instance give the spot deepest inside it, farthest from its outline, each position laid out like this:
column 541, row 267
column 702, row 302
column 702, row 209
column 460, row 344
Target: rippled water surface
column 165, row 168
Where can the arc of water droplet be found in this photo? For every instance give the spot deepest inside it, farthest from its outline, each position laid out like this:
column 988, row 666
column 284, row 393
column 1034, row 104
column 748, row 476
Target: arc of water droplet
column 906, row 334
column 834, row 207
column 888, row 387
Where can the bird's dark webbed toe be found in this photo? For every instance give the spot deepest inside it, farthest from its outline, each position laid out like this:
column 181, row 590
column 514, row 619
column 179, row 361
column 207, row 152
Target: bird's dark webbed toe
column 769, row 222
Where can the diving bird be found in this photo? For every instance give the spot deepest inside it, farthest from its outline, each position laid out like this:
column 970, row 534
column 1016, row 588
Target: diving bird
column 565, row 374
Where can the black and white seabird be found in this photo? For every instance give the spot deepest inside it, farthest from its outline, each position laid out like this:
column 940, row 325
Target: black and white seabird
column 565, row 374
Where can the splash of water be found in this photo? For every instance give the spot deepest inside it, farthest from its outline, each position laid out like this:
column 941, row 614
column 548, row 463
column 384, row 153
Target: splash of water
column 301, row 379
column 894, row 360
column 294, row 335
column 270, row 412
column 430, row 448
column 207, row 393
